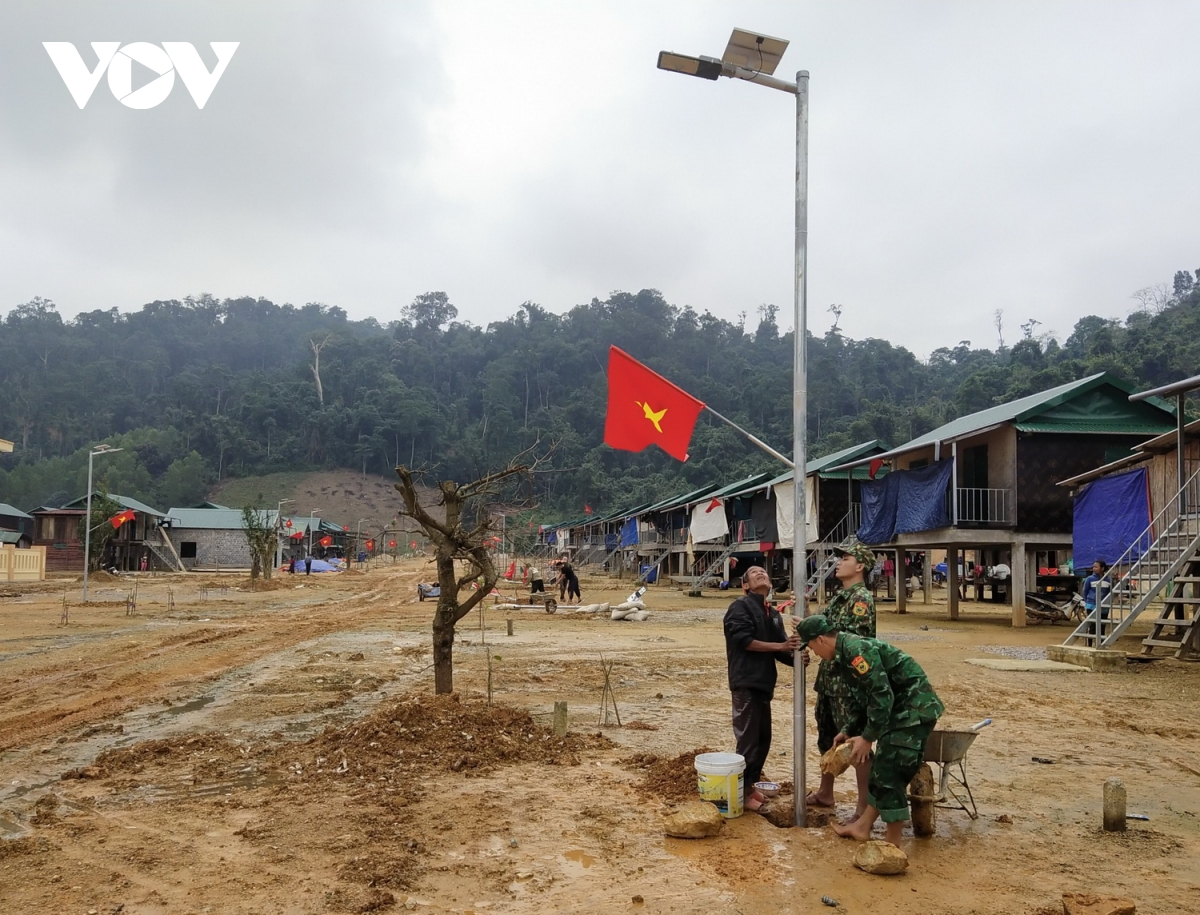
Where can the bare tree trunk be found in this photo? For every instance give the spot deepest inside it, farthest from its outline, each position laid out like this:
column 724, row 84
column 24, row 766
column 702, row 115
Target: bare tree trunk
column 316, row 367
column 444, row 621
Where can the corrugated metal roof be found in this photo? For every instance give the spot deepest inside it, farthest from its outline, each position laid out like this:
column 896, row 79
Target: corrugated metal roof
column 213, row 519
column 12, row 536
column 1023, row 408
column 1128, row 461
column 1114, row 428
column 10, row 511
column 123, row 501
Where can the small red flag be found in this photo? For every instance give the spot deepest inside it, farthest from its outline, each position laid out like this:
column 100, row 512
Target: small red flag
column 411, row 546
column 874, row 467
column 370, row 544
column 646, row 409
column 288, row 523
column 121, row 517
column 326, row 540
column 587, row 509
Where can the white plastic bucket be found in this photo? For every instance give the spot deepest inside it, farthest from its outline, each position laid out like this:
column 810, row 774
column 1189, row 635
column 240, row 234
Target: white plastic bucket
column 721, row 779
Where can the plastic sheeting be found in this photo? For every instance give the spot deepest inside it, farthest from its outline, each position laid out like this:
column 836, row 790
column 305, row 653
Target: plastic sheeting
column 708, row 521
column 783, row 495
column 905, row 501
column 762, row 513
column 629, row 532
column 1111, row 514
column 921, row 498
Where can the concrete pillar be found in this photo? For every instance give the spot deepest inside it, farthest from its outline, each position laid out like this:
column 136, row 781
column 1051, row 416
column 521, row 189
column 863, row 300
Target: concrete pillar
column 1019, row 581
column 927, row 578
column 952, row 581
column 901, row 584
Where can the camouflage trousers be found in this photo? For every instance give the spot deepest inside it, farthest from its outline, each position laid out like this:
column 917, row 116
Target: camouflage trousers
column 898, row 756
column 833, row 713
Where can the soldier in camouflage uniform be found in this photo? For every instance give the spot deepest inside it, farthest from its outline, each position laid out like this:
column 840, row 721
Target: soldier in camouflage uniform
column 852, row 610
column 898, row 712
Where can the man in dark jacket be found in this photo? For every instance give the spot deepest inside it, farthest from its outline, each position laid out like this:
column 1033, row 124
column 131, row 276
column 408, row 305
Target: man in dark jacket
column 755, row 640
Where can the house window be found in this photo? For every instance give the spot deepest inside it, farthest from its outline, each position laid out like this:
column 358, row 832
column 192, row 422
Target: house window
column 187, row 549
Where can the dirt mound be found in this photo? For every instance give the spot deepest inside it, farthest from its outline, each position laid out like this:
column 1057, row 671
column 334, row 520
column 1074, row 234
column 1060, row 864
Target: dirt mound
column 208, row 756
column 426, row 733
column 670, row 779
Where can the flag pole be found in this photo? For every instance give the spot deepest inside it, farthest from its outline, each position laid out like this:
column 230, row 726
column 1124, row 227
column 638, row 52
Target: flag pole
column 757, row 441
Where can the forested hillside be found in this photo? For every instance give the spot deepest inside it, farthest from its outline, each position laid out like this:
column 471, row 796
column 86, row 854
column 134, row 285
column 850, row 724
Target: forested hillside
column 201, row 390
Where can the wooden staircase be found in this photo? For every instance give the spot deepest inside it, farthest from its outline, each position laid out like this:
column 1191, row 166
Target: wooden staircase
column 1178, row 627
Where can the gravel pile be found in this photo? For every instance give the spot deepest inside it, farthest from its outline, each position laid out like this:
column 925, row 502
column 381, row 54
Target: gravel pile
column 1017, row 654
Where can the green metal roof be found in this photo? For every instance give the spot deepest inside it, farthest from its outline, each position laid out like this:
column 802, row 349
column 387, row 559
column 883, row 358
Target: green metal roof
column 1114, row 428
column 865, row 449
column 11, row 512
column 213, row 519
column 12, row 536
column 1079, row 403
column 123, row 501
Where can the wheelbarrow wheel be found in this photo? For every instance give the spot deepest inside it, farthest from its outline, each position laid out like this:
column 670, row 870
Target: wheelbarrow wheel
column 551, row 605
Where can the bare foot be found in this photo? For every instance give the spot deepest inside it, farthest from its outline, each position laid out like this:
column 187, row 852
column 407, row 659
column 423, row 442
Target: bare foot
column 814, row 799
column 858, row 829
column 754, row 804
column 853, row 817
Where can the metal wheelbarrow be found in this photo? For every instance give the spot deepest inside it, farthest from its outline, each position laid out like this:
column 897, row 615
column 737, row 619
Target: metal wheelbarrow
column 948, row 750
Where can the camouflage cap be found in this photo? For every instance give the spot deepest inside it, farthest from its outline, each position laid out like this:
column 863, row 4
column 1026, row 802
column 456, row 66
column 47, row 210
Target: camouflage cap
column 812, row 626
column 861, row 552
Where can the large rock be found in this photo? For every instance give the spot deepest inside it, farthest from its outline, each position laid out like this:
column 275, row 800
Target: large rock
column 1092, row 904
column 877, row 857
column 837, row 760
column 922, row 792
column 694, row 820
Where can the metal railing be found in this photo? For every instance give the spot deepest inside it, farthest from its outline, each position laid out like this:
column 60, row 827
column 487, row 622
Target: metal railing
column 1144, row 569
column 985, row 506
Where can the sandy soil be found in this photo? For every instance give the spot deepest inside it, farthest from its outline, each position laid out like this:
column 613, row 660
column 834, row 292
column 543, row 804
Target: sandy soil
column 281, row 751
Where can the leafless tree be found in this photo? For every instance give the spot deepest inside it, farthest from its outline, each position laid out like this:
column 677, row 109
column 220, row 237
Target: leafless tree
column 463, row 535
column 1154, row 299
column 316, row 366
column 998, row 318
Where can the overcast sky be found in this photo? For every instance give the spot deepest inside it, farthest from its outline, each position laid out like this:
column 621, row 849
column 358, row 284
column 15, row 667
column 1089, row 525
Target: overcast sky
column 1039, row 158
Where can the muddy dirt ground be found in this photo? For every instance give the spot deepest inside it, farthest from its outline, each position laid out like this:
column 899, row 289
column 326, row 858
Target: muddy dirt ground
column 280, row 751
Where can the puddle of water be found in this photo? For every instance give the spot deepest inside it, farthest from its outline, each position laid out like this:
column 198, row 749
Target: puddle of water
column 193, row 706
column 11, row 829
column 210, row 789
column 578, row 854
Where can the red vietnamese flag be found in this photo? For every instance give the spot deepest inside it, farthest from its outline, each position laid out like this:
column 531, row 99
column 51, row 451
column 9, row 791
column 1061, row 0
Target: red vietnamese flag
column 326, row 540
column 646, row 409
column 121, row 517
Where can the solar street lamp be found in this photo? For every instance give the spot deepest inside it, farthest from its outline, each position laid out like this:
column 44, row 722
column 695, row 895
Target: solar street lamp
column 87, row 525
column 753, row 57
column 279, row 530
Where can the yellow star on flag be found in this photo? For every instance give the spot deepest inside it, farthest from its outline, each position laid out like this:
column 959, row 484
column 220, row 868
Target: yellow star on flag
column 651, row 415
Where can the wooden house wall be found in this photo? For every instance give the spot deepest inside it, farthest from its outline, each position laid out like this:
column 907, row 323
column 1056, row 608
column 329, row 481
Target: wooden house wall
column 1043, row 459
column 1163, row 474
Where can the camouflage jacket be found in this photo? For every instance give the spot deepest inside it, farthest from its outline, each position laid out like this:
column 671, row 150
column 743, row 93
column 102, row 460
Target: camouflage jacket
column 851, row 610
column 891, row 689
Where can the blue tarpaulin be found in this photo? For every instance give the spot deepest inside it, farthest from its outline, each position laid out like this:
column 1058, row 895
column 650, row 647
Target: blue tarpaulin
column 878, row 511
column 1111, row 514
column 921, row 498
column 629, row 533
column 905, row 501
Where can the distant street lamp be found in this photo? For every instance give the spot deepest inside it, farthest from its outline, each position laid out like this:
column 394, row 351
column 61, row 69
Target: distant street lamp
column 279, row 530
column 311, row 515
column 754, row 57
column 87, row 526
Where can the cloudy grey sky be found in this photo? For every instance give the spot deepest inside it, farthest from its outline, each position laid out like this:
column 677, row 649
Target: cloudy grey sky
column 1035, row 157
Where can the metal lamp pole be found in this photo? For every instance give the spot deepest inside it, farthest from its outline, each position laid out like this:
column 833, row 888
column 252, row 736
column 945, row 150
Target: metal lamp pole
column 87, row 526
column 742, row 48
column 312, row 514
column 279, row 530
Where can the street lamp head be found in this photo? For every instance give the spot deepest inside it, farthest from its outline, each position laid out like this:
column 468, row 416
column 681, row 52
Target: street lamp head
column 753, row 51
column 103, row 448
column 703, row 67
